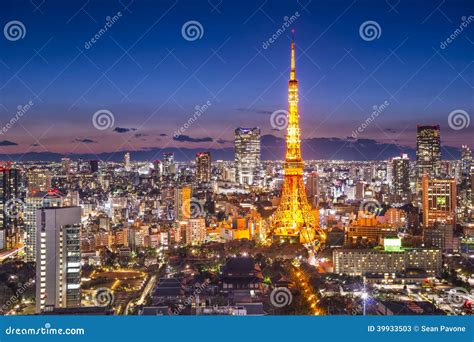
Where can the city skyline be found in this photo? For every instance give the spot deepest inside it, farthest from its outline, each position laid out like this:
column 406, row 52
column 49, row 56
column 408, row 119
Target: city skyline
column 149, row 76
column 280, row 210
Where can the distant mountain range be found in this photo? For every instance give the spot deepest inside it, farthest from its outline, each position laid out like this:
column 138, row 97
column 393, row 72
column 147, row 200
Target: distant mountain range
column 272, row 148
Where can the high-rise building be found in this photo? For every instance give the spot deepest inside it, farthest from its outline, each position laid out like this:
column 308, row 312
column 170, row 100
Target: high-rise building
column 203, row 166
column 158, row 168
column 466, row 184
column 401, row 175
column 182, row 203
column 247, row 154
column 58, row 258
column 466, row 162
column 441, row 236
column 9, row 190
column 94, row 166
column 39, row 180
column 66, row 165
column 33, row 202
column 169, row 167
column 438, row 200
column 196, row 231
column 312, row 187
column 126, row 161
column 360, row 190
column 294, row 219
column 11, row 205
column 428, row 151
column 395, row 217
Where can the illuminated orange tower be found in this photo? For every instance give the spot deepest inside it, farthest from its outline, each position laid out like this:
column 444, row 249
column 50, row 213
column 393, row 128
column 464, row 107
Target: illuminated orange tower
column 294, row 219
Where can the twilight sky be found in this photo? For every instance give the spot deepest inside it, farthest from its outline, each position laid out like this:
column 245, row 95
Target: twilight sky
column 151, row 76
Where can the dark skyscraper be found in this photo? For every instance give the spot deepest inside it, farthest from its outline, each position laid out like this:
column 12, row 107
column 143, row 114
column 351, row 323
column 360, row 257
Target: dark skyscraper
column 11, row 203
column 428, row 151
column 465, row 184
column 94, row 166
column 203, row 166
column 401, row 175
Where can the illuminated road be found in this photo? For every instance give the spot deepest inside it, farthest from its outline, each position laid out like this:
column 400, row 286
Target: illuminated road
column 302, row 281
column 9, row 253
column 146, row 291
column 149, row 286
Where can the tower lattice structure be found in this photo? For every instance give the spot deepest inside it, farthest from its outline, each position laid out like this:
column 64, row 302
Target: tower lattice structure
column 294, row 219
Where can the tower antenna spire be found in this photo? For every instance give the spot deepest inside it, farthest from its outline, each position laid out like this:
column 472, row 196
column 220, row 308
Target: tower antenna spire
column 293, row 62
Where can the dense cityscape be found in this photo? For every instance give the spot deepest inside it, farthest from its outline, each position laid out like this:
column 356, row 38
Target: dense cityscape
column 243, row 237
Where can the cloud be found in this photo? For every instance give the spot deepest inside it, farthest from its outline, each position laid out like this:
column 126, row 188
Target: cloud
column 187, row 138
column 123, row 129
column 163, row 135
column 257, row 111
column 8, row 143
column 223, row 141
column 140, row 135
column 86, row 141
